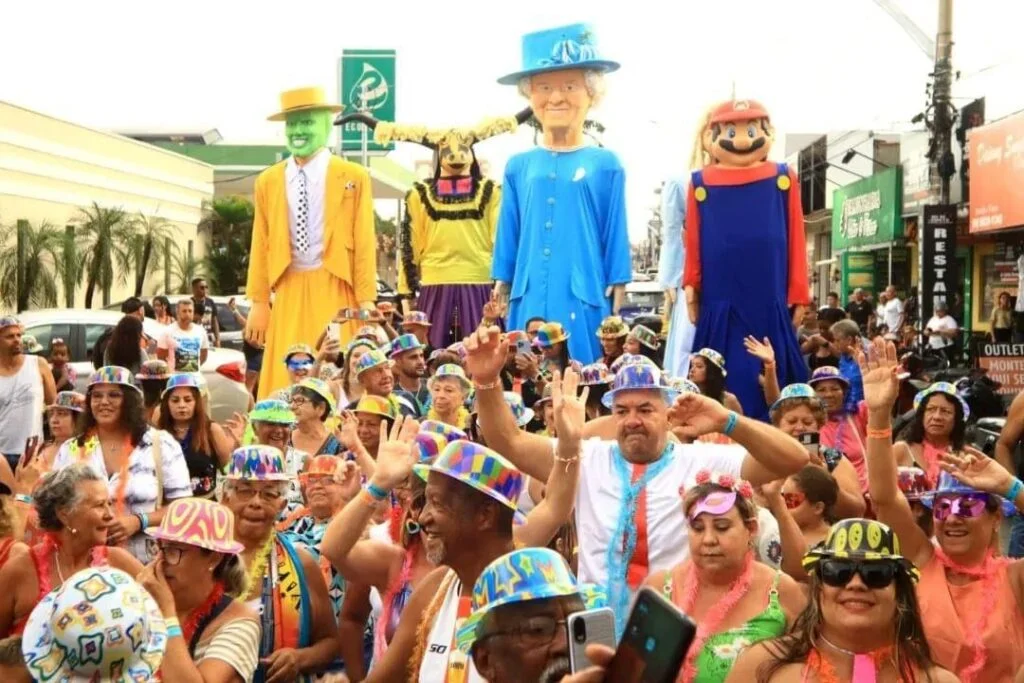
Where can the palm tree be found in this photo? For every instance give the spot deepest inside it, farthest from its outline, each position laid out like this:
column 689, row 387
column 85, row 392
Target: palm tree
column 144, row 252
column 69, row 269
column 106, row 237
column 228, row 221
column 39, row 251
column 183, row 268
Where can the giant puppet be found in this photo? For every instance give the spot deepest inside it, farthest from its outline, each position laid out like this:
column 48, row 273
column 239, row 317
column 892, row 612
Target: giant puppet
column 746, row 261
column 313, row 241
column 670, row 276
column 562, row 250
column 447, row 235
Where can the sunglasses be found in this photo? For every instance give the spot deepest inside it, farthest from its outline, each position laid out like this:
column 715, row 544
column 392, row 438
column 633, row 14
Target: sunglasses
column 966, row 505
column 793, row 500
column 299, row 364
column 875, row 574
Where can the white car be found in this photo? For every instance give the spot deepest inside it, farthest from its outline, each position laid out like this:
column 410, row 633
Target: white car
column 224, row 369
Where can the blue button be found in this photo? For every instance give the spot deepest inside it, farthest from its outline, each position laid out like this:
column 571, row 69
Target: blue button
column 548, row 225
column 551, row 200
column 552, row 175
column 547, row 252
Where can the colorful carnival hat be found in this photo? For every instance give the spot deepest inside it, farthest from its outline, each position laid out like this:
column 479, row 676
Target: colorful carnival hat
column 154, row 369
column 646, row 336
column 303, row 99
column 273, row 411
column 199, row 522
column 449, row 432
column 594, row 374
column 793, row 391
column 949, row 485
column 639, row 377
column 429, row 445
column 9, row 321
column 403, row 343
column 480, row 468
column 683, row 385
column 520, row 412
column 630, row 359
column 100, row 625
column 415, row 318
column 826, row 373
column 451, row 371
column 113, row 374
column 359, row 341
column 612, row 327
column 521, row 576
column 31, row 344
column 371, row 359
column 715, row 357
column 296, row 349
column 860, row 539
column 323, row 466
column 68, row 400
column 257, row 463
column 377, row 405
column 555, row 49
column 321, row 389
column 189, row 380
column 550, row 334
column 946, row 389
column 545, row 397
column 913, row 482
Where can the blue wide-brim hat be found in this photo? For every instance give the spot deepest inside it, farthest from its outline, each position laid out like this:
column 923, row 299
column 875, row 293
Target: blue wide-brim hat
column 949, row 484
column 555, row 49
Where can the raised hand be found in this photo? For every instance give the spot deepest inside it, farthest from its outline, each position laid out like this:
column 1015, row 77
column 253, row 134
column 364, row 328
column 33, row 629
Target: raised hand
column 570, row 409
column 977, row 470
column 396, row 454
column 235, row 426
column 493, row 309
column 692, row 416
column 762, row 350
column 348, row 472
column 348, row 431
column 486, row 350
column 878, row 370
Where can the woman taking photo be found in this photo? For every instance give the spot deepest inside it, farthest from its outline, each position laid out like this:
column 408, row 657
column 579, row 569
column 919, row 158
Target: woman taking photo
column 126, row 347
column 707, row 371
column 195, row 578
column 449, row 388
column 938, row 427
column 312, row 402
column 845, row 427
column 970, row 597
column 204, row 443
column 144, row 467
column 736, row 600
column 861, row 622
column 74, row 508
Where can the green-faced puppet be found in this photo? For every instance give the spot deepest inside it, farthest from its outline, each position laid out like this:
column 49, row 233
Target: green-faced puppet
column 307, row 120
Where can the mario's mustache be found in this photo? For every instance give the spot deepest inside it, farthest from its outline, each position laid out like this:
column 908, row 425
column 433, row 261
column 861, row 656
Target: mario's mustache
column 729, row 146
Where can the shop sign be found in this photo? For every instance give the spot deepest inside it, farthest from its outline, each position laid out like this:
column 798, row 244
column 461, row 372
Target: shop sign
column 996, row 157
column 868, row 212
column 1004, row 363
column 938, row 257
column 858, row 272
column 367, row 83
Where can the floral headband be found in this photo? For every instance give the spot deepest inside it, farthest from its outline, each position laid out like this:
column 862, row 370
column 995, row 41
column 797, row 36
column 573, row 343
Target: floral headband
column 718, row 502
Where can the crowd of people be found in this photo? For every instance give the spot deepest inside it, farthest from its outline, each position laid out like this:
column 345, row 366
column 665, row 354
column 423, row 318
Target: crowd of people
column 408, row 513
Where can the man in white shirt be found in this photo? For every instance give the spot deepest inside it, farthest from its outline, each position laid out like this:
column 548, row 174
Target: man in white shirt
column 892, row 310
column 942, row 330
column 184, row 345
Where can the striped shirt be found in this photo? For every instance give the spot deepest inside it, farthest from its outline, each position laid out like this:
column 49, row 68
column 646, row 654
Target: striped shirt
column 236, row 643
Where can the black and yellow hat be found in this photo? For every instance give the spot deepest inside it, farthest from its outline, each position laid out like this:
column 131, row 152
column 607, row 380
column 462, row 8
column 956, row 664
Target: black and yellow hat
column 860, row 539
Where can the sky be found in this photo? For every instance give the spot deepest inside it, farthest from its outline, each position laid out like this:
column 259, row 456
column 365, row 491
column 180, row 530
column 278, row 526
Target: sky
column 818, row 65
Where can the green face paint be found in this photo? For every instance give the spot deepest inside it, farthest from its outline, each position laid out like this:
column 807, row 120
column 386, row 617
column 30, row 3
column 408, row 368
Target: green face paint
column 306, row 132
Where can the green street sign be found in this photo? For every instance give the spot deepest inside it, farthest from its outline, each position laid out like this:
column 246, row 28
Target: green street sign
column 367, row 82
column 868, row 212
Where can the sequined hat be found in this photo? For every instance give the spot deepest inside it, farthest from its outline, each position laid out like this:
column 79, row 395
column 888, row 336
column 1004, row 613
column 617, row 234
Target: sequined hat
column 595, row 373
column 154, row 369
column 828, row 372
column 68, row 400
column 646, row 336
column 415, row 318
column 321, row 389
column 683, row 385
column 113, row 374
column 296, row 349
column 859, row 539
column 714, row 357
column 949, row 485
column 521, row 576
column 99, row 625
column 257, row 463
column 913, row 482
column 639, row 377
column 550, row 334
column 946, row 389
column 612, row 327
column 403, row 343
column 377, row 405
column 359, row 341
column 198, row 522
column 182, row 379
column 371, row 359
column 793, row 391
column 272, row 411
column 449, row 432
column 480, row 468
column 630, row 359
column 31, row 344
column 520, row 412
column 451, row 371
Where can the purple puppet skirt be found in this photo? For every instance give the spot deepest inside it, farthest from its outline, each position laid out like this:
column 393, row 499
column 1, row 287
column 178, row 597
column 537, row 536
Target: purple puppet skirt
column 454, row 310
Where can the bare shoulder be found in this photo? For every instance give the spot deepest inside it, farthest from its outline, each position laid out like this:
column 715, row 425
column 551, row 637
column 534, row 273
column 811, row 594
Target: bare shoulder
column 940, row 675
column 44, row 365
column 657, row 580
column 119, row 558
column 792, row 595
column 18, row 566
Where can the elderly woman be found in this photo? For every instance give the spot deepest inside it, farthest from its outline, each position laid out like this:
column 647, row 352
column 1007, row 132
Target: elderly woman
column 707, row 371
column 845, row 427
column 449, row 388
column 195, row 579
column 312, row 402
column 286, row 587
column 862, row 622
column 736, row 600
column 204, row 443
column 970, row 597
column 144, row 467
column 75, row 510
column 938, row 427
column 61, row 418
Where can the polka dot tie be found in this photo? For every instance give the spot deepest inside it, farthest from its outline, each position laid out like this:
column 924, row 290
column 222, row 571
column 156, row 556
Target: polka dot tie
column 302, row 220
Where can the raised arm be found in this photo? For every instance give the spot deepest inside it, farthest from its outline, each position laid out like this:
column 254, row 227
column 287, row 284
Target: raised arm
column 794, row 545
column 763, row 351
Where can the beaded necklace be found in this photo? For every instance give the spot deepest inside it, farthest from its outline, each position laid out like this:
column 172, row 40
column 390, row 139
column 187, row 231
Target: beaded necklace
column 461, row 417
column 254, row 580
column 199, row 614
column 865, row 665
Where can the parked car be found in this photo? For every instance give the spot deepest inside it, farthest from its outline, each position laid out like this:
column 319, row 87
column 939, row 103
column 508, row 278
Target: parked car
column 231, row 332
column 224, row 369
column 642, row 298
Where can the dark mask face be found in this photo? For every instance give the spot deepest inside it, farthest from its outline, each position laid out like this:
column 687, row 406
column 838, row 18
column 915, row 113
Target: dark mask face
column 455, row 154
column 739, row 143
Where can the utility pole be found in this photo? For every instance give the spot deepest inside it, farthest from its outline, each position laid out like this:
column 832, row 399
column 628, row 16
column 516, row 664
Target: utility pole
column 943, row 113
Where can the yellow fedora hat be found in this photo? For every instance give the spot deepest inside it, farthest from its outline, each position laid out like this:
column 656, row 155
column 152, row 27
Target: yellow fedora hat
column 303, row 99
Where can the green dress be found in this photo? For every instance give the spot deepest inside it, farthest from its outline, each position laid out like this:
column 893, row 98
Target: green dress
column 720, row 650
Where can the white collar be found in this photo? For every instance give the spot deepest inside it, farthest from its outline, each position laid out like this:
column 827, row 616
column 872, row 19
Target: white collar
column 315, row 166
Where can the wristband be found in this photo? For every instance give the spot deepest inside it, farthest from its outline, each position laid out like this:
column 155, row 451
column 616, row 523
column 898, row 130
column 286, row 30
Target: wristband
column 880, row 433
column 376, row 492
column 1015, row 489
column 730, row 423
column 483, row 387
column 143, row 520
column 22, row 498
column 367, row 498
column 171, row 622
column 174, row 632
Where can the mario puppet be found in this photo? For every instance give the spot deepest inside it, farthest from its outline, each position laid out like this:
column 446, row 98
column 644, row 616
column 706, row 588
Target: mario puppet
column 746, row 260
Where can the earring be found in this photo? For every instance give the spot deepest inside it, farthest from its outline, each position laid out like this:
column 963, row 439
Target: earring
column 412, row 527
column 74, row 531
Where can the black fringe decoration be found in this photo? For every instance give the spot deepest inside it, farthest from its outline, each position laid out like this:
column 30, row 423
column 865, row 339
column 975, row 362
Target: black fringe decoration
column 484, row 198
column 412, row 273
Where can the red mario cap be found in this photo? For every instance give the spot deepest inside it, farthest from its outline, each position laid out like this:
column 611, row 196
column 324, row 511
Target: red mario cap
column 738, row 110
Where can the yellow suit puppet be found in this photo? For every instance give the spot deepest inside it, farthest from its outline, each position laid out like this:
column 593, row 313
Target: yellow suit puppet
column 313, row 240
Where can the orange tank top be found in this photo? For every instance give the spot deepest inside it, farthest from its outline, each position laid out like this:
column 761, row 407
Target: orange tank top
column 952, row 613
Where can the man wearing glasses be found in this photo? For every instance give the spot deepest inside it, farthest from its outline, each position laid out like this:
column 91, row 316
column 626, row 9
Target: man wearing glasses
column 26, row 385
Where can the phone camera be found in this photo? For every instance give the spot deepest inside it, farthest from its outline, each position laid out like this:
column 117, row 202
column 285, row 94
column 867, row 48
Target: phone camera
column 579, row 631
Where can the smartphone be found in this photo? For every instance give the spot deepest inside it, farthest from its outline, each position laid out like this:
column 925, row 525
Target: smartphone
column 653, row 646
column 586, row 627
column 334, row 331
column 355, row 314
column 810, row 441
